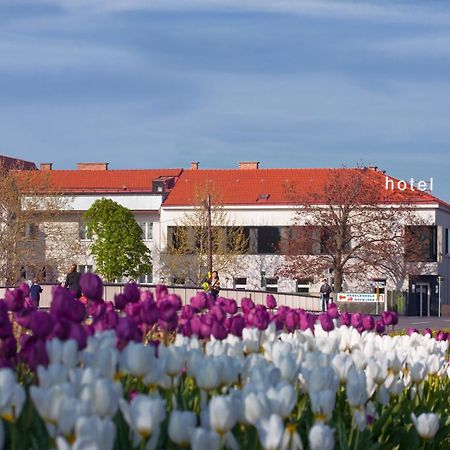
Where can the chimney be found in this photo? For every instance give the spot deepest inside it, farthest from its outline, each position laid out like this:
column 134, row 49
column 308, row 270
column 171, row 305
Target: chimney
column 248, row 165
column 374, row 168
column 194, row 165
column 46, row 166
column 92, row 166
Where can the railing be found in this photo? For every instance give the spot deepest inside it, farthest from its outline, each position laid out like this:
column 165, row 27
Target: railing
column 309, row 302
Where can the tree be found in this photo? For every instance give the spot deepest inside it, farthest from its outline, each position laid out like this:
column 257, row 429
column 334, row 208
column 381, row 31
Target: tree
column 351, row 227
column 30, row 208
column 189, row 240
column 117, row 244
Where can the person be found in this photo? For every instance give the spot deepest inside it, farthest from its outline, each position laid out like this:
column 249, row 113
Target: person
column 73, row 281
column 35, row 292
column 325, row 291
column 214, row 284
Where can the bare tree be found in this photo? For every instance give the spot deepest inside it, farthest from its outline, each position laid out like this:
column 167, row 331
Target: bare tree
column 186, row 257
column 349, row 226
column 31, row 240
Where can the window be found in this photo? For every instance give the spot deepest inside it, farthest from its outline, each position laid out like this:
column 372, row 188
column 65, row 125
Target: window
column 420, row 243
column 179, row 281
column 268, row 240
column 147, row 230
column 240, row 282
column 83, row 231
column 30, row 231
column 271, row 284
column 146, row 279
column 447, row 241
column 85, row 268
column 303, row 285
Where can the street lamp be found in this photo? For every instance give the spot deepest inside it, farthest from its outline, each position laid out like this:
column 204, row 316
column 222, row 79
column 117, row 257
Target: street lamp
column 440, row 280
column 207, row 205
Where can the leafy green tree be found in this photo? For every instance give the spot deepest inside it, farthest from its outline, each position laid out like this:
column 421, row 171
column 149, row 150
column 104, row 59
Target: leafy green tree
column 117, row 244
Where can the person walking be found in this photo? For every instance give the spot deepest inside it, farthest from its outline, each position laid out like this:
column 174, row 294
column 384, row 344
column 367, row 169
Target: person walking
column 73, row 281
column 214, row 284
column 35, row 292
column 325, row 291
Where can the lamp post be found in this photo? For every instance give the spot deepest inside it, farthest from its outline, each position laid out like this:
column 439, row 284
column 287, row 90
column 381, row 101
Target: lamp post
column 440, row 280
column 207, row 205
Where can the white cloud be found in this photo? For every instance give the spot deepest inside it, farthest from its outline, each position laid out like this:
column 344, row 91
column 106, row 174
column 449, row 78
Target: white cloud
column 383, row 11
column 39, row 54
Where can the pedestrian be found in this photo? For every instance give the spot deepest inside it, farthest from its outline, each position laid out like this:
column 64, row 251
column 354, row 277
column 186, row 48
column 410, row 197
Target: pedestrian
column 325, row 291
column 73, row 281
column 214, row 284
column 35, row 292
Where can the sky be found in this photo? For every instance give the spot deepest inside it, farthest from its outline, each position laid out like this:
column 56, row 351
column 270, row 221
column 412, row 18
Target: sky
column 289, row 83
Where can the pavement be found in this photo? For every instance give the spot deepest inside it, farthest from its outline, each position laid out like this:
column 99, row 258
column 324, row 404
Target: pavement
column 435, row 323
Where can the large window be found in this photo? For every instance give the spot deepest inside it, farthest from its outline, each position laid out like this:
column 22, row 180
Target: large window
column 240, row 282
column 84, row 268
column 268, row 240
column 303, row 285
column 146, row 279
column 147, row 230
column 271, row 284
column 83, row 231
column 420, row 243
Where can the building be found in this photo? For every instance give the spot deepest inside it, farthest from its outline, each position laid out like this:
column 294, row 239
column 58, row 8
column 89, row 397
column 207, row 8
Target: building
column 256, row 199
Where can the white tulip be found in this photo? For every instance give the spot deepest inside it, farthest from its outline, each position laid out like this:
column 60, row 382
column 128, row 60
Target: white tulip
column 144, row 414
column 176, row 358
column 207, row 375
column 270, row 431
column 222, row 414
column 202, row 439
column 291, row 439
column 356, row 389
column 418, row 372
column 12, row 396
column 322, row 403
column 321, row 437
column 65, row 352
column 102, row 396
column 100, row 432
column 181, row 424
column 282, row 398
column 427, row 425
column 342, row 363
column 55, row 373
column 136, row 359
column 256, row 406
column 251, row 338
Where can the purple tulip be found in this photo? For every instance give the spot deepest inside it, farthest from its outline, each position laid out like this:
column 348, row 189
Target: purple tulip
column 32, row 351
column 8, row 347
column 291, row 321
column 427, row 331
column 14, row 299
column 161, row 292
column 78, row 333
column 133, row 311
column 187, row 312
column 41, row 324
column 184, row 327
column 411, row 330
column 175, row 300
column 270, row 301
column 127, row 330
column 218, row 330
column 260, row 317
column 23, row 317
column 132, row 292
column 218, row 313
column 231, row 306
column 326, row 322
column 282, row 311
column 91, row 286
column 61, row 328
column 379, row 326
column 25, row 289
column 120, row 301
column 199, row 301
column 205, row 330
column 368, row 323
column 196, row 325
column 388, row 318
column 149, row 312
column 247, row 305
column 441, row 336
column 333, row 311
column 237, row 325
column 356, row 320
column 346, row 319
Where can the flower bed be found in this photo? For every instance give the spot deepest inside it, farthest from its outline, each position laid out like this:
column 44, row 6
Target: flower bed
column 145, row 372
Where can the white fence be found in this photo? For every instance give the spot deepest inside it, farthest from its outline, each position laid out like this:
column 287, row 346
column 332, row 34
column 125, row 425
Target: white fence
column 307, row 302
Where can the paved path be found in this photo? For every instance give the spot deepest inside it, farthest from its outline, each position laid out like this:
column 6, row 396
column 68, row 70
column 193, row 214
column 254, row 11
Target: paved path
column 435, row 323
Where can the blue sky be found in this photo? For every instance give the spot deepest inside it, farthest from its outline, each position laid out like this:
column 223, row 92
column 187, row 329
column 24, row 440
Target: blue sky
column 290, row 83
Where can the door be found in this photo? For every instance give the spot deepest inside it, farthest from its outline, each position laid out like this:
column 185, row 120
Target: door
column 423, row 291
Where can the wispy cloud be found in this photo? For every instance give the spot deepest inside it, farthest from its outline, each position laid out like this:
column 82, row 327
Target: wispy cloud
column 385, row 11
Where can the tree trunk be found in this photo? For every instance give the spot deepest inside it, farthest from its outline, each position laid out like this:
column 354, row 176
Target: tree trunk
column 338, row 279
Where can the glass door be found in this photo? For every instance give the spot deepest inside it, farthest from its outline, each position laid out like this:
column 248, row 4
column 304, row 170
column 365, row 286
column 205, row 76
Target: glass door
column 423, row 290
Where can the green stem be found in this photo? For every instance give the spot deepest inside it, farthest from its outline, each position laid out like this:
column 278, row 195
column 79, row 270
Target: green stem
column 14, row 437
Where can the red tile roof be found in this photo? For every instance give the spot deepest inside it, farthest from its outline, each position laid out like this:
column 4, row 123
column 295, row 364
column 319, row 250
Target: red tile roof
column 274, row 186
column 92, row 181
column 14, row 163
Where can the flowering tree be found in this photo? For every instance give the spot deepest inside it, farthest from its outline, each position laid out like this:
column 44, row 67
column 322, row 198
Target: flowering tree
column 188, row 242
column 117, row 244
column 30, row 209
column 350, row 225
